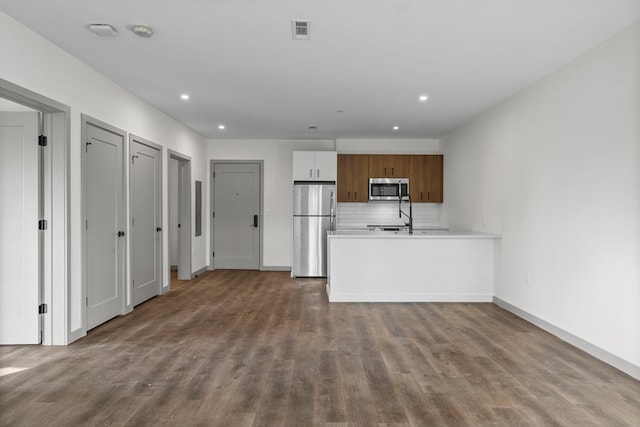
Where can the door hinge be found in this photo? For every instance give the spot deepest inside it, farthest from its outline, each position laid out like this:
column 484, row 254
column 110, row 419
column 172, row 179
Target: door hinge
column 214, row 214
column 86, row 301
column 214, row 174
column 213, row 254
column 42, row 308
column 42, row 140
column 42, row 224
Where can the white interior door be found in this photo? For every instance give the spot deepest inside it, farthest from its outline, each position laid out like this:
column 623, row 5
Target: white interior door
column 236, row 221
column 105, row 239
column 146, row 221
column 19, row 248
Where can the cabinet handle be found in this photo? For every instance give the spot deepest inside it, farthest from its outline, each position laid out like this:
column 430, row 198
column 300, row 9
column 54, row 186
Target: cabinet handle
column 428, row 195
column 348, row 195
column 310, row 173
column 392, row 172
column 318, row 173
column 355, row 195
column 421, row 196
column 385, row 171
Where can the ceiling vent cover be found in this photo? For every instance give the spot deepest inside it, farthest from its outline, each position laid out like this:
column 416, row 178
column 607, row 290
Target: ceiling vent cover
column 103, row 30
column 300, row 29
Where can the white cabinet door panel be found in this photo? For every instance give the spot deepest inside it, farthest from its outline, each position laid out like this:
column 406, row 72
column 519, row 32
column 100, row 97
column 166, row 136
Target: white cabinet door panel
column 326, row 165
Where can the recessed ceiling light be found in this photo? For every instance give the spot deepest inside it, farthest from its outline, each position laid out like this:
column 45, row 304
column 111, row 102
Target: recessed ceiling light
column 221, row 127
column 396, row 127
column 423, row 98
column 142, row 30
column 103, row 30
column 184, row 96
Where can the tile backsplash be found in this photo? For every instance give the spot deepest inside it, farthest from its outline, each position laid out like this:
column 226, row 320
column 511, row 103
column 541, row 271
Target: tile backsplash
column 359, row 215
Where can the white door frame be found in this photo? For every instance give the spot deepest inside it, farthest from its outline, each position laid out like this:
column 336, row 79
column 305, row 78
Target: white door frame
column 58, row 328
column 212, row 164
column 130, row 297
column 185, row 217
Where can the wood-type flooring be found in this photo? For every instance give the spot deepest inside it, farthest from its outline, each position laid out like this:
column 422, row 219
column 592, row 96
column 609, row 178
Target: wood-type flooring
column 246, row 348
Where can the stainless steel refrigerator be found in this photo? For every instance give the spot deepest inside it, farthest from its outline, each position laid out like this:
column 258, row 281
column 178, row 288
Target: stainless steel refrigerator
column 313, row 216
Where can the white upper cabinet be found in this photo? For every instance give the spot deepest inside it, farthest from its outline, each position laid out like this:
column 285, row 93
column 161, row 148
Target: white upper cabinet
column 315, row 165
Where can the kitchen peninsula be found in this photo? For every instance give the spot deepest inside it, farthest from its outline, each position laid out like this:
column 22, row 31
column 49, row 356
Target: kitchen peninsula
column 426, row 266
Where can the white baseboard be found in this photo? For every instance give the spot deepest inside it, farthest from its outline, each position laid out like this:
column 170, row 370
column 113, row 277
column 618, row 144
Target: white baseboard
column 406, row 297
column 263, row 268
column 595, row 351
column 275, row 268
column 199, row 272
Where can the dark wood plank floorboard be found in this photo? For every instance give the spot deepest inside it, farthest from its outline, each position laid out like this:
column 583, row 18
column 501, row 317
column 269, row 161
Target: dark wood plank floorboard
column 246, row 348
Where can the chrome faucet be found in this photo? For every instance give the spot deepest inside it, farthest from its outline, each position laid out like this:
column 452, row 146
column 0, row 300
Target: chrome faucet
column 401, row 212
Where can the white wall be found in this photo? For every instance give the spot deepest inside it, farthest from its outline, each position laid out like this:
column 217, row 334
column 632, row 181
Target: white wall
column 34, row 63
column 388, row 146
column 555, row 170
column 278, row 187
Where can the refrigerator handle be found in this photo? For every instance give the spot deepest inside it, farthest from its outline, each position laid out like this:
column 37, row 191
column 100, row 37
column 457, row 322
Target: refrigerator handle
column 332, row 213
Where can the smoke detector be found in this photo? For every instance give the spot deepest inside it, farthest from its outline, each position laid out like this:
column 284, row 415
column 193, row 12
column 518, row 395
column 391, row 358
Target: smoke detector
column 300, row 29
column 103, row 30
column 142, row 30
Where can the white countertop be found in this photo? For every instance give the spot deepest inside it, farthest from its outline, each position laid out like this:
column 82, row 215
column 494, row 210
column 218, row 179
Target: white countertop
column 418, row 233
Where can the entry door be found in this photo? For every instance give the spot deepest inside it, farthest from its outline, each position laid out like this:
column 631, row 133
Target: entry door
column 105, row 231
column 236, row 216
column 146, row 221
column 19, row 248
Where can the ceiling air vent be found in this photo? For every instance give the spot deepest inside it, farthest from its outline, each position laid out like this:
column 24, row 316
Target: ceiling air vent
column 300, row 29
column 103, row 30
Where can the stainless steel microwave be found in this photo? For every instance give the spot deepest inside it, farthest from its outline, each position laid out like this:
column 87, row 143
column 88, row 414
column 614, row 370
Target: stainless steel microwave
column 388, row 188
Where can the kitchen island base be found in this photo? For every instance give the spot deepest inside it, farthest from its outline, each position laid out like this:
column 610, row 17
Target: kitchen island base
column 410, row 268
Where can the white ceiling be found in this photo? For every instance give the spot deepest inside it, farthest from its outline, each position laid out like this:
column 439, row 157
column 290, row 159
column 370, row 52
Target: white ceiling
column 369, row 58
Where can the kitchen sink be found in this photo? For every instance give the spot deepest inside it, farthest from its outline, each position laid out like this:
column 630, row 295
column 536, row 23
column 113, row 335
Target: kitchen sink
column 392, row 227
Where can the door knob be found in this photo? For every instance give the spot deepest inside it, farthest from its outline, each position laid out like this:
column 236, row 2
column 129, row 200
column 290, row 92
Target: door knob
column 120, row 233
column 158, row 229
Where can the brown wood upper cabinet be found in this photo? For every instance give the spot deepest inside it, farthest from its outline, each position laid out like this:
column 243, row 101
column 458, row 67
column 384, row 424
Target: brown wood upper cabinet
column 353, row 178
column 424, row 173
column 389, row 165
column 425, row 178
